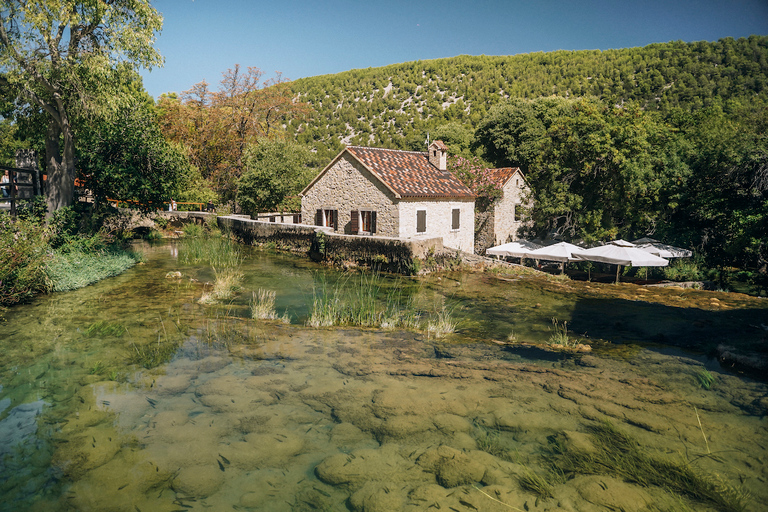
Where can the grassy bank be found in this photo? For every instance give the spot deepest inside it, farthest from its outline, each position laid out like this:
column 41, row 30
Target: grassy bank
column 68, row 252
column 76, row 269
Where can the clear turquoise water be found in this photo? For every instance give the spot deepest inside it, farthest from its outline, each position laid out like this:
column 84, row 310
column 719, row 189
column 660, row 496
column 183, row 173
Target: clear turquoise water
column 262, row 415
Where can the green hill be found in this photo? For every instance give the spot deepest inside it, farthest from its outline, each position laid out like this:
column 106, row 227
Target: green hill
column 394, row 106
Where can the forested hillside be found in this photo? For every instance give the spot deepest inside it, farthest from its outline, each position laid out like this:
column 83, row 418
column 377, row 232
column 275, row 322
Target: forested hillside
column 668, row 140
column 394, row 106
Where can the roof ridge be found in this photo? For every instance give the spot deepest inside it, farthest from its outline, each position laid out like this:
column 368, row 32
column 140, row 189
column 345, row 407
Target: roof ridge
column 393, row 150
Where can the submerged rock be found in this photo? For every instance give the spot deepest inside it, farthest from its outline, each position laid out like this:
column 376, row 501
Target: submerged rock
column 198, row 481
column 451, row 466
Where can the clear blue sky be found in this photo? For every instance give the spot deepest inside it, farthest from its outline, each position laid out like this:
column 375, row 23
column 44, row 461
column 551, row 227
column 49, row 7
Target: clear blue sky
column 301, row 38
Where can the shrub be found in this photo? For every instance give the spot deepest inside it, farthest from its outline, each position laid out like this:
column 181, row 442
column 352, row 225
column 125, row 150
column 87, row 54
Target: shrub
column 24, row 253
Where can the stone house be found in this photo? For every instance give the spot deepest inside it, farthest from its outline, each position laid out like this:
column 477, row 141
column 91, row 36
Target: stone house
column 502, row 219
column 392, row 193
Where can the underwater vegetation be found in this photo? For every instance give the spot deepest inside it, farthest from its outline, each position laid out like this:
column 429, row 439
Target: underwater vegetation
column 705, row 379
column 618, row 454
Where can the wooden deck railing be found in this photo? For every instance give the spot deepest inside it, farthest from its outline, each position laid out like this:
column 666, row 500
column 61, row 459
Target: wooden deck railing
column 21, row 184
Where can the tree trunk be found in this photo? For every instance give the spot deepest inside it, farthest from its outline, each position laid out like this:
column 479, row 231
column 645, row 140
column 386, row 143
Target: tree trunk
column 60, row 167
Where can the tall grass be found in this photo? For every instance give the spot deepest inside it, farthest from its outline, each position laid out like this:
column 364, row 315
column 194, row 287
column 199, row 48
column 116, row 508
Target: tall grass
column 218, row 252
column 263, row 305
column 362, row 302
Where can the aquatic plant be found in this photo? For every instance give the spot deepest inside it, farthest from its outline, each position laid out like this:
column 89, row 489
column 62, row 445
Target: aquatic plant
column 97, row 368
column 263, row 305
column 357, row 303
column 535, row 483
column 489, row 441
column 559, row 335
column 705, row 378
column 154, row 354
column 225, row 285
column 442, row 322
column 618, row 454
column 219, row 252
column 103, row 329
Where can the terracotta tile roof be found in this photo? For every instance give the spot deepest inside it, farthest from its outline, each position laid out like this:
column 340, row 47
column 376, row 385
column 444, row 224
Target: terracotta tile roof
column 502, row 175
column 409, row 173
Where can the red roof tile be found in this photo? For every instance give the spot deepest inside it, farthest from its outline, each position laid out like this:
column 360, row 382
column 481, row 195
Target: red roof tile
column 409, row 173
column 502, row 175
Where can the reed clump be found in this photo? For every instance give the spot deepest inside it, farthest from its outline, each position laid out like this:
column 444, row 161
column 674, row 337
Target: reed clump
column 361, row 303
column 559, row 335
column 365, row 303
column 226, row 284
column 616, row 453
column 263, row 305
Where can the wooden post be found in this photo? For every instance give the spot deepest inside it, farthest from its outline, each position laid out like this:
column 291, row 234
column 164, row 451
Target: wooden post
column 12, row 184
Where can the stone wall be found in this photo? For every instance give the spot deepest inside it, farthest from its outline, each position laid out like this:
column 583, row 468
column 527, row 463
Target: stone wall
column 485, row 234
column 292, row 237
column 348, row 186
column 505, row 225
column 321, row 244
column 439, row 222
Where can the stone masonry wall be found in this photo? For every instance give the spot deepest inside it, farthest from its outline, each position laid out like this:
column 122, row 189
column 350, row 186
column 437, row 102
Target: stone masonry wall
column 348, row 186
column 505, row 225
column 485, row 234
column 388, row 253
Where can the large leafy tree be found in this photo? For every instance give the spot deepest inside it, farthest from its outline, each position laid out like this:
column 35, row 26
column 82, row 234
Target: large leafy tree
column 216, row 127
column 724, row 210
column 62, row 57
column 275, row 172
column 125, row 156
column 596, row 171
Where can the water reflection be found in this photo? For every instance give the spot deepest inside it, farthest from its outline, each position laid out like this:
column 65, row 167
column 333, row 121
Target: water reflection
column 258, row 415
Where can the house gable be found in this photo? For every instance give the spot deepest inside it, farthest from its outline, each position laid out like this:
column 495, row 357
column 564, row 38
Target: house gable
column 346, row 186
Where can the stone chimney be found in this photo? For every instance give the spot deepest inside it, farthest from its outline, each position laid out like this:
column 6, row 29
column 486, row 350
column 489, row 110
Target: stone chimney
column 438, row 155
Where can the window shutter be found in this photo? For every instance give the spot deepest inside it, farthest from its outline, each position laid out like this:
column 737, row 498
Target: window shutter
column 455, row 221
column 319, row 218
column 335, row 219
column 355, row 222
column 373, row 222
column 421, row 221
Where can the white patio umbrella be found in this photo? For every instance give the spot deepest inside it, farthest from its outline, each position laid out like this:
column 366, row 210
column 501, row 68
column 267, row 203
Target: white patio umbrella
column 518, row 249
column 621, row 255
column 661, row 249
column 562, row 252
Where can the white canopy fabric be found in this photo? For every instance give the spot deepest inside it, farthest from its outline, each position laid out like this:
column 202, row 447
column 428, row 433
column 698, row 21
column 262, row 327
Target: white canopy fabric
column 622, row 243
column 661, row 249
column 618, row 255
column 562, row 251
column 518, row 249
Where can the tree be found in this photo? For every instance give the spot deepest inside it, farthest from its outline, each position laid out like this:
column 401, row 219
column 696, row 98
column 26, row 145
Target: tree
column 217, row 127
column 724, row 210
column 62, row 56
column 275, row 171
column 596, row 171
column 126, row 157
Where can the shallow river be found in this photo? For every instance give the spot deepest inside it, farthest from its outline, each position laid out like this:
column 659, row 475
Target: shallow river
column 128, row 395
